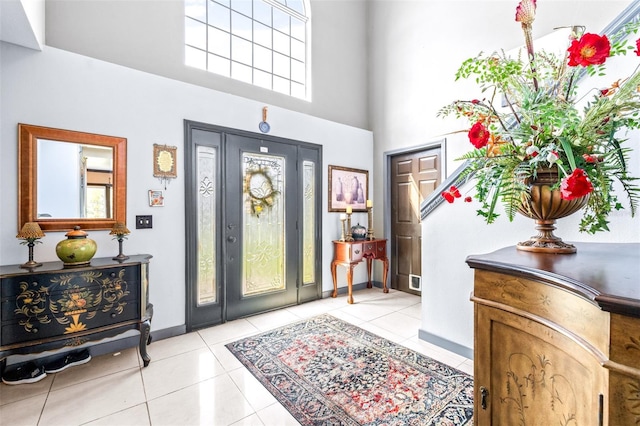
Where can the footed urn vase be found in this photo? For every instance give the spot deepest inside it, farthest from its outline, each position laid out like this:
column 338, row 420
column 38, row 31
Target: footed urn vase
column 545, row 205
column 77, row 249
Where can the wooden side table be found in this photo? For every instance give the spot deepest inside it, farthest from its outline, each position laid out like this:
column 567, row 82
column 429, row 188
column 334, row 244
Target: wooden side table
column 350, row 253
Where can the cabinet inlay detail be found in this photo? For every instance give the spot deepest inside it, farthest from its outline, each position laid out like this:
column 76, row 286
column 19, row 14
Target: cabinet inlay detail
column 533, row 385
column 633, row 399
column 68, row 296
column 635, row 344
column 516, row 290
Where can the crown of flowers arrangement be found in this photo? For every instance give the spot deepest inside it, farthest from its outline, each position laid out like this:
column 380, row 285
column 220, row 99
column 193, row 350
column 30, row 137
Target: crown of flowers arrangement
column 530, row 121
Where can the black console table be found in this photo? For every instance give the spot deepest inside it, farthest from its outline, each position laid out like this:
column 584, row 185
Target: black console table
column 52, row 307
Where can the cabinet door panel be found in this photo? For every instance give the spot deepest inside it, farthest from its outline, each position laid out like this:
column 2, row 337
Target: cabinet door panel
column 534, row 374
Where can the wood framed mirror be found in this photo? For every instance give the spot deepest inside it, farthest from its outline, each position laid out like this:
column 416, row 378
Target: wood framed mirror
column 68, row 178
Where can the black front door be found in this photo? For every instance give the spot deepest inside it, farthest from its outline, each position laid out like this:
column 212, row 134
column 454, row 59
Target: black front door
column 253, row 241
column 261, row 238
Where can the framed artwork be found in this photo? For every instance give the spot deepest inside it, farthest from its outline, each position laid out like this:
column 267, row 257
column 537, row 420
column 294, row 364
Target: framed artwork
column 164, row 161
column 156, row 198
column 348, row 188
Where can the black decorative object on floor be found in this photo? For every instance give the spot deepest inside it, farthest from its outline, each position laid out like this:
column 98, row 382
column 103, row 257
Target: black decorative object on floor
column 328, row 372
column 24, row 373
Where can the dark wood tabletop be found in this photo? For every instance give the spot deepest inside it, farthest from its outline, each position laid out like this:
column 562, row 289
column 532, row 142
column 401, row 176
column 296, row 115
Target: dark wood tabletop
column 606, row 274
column 58, row 266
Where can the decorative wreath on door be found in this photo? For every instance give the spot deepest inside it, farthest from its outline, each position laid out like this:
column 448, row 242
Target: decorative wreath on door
column 258, row 186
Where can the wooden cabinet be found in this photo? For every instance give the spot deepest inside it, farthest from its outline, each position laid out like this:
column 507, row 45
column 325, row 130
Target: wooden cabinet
column 557, row 337
column 51, row 307
column 350, row 253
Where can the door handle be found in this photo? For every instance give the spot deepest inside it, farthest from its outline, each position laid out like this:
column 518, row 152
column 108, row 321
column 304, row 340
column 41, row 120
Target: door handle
column 232, row 239
column 484, row 393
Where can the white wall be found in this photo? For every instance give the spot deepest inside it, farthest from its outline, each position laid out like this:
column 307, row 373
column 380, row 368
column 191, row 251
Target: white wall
column 416, row 48
column 55, row 88
column 149, row 36
column 22, row 22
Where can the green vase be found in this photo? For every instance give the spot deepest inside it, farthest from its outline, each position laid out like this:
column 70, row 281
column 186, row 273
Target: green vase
column 77, row 249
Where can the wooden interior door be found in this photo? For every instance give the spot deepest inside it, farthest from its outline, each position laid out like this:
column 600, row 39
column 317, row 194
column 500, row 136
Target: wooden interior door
column 414, row 176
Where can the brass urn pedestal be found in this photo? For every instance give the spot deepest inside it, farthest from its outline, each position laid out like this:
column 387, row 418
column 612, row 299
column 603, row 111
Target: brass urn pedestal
column 545, row 206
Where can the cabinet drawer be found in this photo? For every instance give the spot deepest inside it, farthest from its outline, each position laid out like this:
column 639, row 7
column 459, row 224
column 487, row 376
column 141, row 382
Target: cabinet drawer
column 625, row 341
column 348, row 252
column 560, row 307
column 57, row 282
column 68, row 293
column 375, row 249
column 28, row 328
column 357, row 252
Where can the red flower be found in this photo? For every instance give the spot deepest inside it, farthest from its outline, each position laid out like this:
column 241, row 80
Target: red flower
column 467, row 199
column 451, row 194
column 478, row 135
column 590, row 158
column 591, row 49
column 637, row 51
column 575, row 185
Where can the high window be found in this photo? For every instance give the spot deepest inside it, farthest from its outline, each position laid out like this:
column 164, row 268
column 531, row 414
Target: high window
column 261, row 42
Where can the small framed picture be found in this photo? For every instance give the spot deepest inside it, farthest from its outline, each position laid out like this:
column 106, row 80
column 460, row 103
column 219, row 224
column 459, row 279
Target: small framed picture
column 348, row 188
column 156, row 199
column 164, row 161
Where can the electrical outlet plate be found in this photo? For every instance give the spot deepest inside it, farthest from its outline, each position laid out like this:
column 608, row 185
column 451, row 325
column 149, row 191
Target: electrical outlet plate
column 144, row 222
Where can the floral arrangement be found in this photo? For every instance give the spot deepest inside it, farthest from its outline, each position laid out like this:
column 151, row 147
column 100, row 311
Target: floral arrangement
column 530, row 120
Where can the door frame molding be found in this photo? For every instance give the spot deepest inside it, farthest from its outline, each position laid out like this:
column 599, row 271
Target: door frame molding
column 386, row 180
column 189, row 158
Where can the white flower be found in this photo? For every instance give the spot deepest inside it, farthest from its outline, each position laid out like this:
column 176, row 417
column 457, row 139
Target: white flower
column 532, row 150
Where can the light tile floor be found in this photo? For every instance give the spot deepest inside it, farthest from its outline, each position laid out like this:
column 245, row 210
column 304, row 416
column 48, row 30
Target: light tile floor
column 194, row 380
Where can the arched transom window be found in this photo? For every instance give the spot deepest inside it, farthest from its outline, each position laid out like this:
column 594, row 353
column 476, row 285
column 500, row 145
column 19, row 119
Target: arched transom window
column 261, row 42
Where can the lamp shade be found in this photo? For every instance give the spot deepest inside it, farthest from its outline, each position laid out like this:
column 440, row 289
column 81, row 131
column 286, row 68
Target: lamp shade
column 119, row 228
column 30, row 231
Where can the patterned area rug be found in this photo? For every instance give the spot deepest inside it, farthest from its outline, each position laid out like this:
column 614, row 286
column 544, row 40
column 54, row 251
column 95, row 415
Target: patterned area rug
column 328, row 372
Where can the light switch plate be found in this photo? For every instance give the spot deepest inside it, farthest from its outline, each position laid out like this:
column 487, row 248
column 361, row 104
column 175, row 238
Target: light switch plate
column 144, row 222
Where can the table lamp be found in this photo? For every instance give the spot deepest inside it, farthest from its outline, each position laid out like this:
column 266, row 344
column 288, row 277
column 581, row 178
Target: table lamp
column 120, row 231
column 30, row 233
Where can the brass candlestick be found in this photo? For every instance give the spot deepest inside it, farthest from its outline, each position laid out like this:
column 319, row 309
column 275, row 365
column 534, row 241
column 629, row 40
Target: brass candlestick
column 349, row 236
column 342, row 234
column 370, row 227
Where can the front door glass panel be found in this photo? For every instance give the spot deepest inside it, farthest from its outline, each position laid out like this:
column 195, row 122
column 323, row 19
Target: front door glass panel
column 263, row 224
column 309, row 223
column 206, row 229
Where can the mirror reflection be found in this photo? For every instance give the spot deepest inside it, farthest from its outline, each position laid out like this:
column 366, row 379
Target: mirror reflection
column 68, row 178
column 80, row 174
